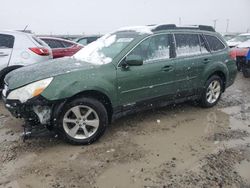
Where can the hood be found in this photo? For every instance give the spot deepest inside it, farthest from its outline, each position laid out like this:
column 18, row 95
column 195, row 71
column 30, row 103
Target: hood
column 42, row 70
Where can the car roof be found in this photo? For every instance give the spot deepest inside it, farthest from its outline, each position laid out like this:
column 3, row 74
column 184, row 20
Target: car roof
column 60, row 39
column 150, row 29
column 89, row 36
column 13, row 32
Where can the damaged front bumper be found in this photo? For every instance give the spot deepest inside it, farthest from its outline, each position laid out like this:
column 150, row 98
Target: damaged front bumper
column 37, row 110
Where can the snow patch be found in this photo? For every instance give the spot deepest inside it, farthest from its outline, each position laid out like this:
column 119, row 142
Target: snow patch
column 91, row 53
column 188, row 50
column 138, row 29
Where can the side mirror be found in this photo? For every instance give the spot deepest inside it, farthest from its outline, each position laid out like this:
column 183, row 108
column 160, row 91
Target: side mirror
column 134, row 60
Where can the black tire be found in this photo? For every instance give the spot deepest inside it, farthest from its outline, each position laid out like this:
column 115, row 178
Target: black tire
column 238, row 65
column 204, row 101
column 94, row 104
column 246, row 71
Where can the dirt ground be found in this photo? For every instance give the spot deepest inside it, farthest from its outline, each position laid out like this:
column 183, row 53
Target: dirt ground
column 176, row 146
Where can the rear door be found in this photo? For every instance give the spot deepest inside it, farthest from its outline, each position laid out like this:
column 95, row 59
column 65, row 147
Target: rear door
column 188, row 59
column 153, row 79
column 6, row 47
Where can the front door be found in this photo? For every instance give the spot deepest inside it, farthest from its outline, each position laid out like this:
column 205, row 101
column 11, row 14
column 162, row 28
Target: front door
column 6, row 46
column 155, row 78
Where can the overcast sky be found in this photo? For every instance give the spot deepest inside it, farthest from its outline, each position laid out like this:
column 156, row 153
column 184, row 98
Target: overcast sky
column 101, row 16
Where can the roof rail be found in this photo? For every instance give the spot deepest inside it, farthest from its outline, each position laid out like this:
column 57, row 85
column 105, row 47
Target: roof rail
column 173, row 26
column 164, row 27
column 206, row 28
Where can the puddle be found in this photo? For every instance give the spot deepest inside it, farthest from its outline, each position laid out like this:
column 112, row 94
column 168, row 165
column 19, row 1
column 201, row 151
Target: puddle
column 179, row 140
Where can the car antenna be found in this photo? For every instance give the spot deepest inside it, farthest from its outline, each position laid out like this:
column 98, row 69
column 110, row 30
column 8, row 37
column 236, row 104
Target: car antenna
column 25, row 28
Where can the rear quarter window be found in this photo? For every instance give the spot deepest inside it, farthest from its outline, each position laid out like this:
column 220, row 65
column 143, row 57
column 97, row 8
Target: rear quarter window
column 214, row 43
column 6, row 41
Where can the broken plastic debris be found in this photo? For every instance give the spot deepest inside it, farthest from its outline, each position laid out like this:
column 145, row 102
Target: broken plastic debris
column 111, row 150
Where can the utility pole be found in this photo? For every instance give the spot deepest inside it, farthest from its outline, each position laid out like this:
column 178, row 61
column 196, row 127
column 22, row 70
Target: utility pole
column 215, row 20
column 179, row 21
column 227, row 25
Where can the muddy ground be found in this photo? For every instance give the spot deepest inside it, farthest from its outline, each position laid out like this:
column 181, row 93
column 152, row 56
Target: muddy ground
column 176, row 146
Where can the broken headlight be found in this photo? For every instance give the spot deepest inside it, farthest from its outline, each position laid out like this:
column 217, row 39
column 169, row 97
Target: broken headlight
column 29, row 91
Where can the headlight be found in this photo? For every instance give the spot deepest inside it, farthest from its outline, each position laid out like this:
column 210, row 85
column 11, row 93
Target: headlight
column 31, row 90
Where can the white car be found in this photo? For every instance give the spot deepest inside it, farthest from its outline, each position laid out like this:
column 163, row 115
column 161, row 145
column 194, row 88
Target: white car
column 19, row 49
column 238, row 39
column 245, row 44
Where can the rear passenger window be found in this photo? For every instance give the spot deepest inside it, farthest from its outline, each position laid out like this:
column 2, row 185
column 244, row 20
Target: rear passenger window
column 187, row 45
column 6, row 41
column 214, row 43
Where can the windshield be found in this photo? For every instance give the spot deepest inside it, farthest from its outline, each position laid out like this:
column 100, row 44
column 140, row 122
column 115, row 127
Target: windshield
column 106, row 48
column 240, row 38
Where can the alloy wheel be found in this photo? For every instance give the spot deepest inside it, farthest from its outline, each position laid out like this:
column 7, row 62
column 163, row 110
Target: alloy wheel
column 81, row 122
column 213, row 91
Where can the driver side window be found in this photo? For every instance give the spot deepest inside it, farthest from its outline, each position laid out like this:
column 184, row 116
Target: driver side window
column 153, row 48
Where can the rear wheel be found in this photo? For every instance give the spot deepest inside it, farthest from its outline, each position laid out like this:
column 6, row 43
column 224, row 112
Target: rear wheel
column 212, row 91
column 83, row 121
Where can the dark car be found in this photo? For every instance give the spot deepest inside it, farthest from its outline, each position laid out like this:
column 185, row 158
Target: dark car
column 87, row 39
column 61, row 47
column 123, row 72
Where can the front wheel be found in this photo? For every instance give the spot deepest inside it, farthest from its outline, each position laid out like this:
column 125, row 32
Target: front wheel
column 212, row 91
column 83, row 121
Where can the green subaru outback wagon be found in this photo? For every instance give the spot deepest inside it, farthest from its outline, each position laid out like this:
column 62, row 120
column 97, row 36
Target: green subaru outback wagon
column 123, row 72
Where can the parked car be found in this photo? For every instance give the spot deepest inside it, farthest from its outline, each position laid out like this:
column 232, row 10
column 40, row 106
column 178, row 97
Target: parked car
column 123, row 72
column 228, row 37
column 242, row 54
column 61, row 47
column 87, row 39
column 238, row 39
column 18, row 49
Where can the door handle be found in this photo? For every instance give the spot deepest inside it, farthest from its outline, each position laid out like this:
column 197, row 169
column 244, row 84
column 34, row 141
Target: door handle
column 206, row 60
column 167, row 68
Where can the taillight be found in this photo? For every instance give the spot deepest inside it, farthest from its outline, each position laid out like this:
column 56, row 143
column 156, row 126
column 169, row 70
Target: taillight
column 232, row 54
column 40, row 51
